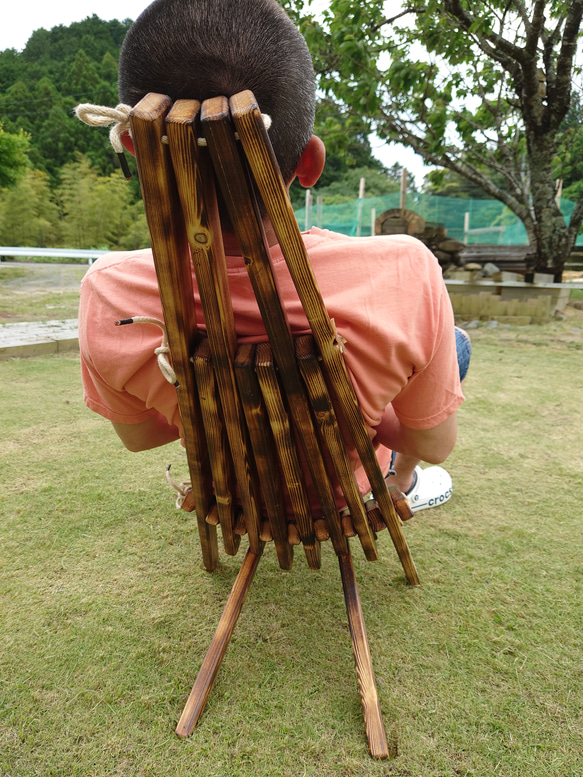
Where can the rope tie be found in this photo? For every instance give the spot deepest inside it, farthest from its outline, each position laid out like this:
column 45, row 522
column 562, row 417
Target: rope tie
column 102, row 116
column 184, row 489
column 119, row 117
column 339, row 341
column 163, row 350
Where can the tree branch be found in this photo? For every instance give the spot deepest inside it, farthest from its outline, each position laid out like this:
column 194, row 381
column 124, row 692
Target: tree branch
column 500, row 49
column 400, row 133
column 533, row 31
column 392, row 19
column 560, row 95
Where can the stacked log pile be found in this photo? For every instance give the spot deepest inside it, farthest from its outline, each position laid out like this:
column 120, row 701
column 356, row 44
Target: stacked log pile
column 399, row 221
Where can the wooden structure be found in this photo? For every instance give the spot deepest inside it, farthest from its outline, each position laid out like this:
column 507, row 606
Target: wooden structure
column 400, row 221
column 251, row 413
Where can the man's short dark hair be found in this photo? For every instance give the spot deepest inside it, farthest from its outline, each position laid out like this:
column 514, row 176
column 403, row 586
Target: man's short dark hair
column 205, row 48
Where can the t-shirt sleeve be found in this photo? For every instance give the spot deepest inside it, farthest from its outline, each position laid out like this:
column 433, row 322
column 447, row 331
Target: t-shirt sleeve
column 110, row 357
column 433, row 392
column 111, row 403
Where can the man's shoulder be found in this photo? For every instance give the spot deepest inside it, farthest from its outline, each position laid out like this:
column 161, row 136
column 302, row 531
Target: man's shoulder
column 371, row 243
column 141, row 257
column 121, row 266
column 386, row 253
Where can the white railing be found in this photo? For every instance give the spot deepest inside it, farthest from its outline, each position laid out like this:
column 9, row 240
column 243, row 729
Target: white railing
column 59, row 253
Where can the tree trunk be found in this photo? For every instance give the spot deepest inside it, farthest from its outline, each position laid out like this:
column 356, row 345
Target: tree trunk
column 550, row 241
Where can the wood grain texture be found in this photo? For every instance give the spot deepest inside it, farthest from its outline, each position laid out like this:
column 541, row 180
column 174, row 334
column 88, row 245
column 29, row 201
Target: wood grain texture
column 291, row 468
column 219, row 451
column 373, row 721
column 264, row 451
column 173, row 270
column 240, row 200
column 195, row 182
column 255, row 141
column 331, row 435
column 212, row 662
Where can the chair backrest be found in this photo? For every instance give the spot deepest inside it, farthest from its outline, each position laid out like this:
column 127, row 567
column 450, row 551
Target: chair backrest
column 251, row 413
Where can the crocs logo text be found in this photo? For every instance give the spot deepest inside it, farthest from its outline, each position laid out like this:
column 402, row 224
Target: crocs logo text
column 439, row 499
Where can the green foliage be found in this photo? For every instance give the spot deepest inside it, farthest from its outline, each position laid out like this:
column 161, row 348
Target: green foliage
column 446, row 183
column 57, row 70
column 87, row 210
column 29, row 215
column 569, row 162
column 346, row 189
column 13, row 156
column 98, row 210
column 76, row 195
column 347, row 149
column 481, row 89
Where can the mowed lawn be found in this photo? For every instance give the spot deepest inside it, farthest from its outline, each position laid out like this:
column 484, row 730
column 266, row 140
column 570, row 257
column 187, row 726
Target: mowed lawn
column 106, row 611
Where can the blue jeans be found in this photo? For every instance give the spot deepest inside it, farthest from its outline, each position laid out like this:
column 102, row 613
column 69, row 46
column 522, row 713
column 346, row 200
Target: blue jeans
column 464, row 351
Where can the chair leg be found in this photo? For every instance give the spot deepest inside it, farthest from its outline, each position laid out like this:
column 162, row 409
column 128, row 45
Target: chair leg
column 212, row 661
column 375, row 730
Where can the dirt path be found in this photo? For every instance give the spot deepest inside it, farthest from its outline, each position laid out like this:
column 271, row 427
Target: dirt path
column 41, row 277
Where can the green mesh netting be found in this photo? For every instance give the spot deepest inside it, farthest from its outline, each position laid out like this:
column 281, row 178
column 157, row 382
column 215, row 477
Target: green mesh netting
column 488, row 221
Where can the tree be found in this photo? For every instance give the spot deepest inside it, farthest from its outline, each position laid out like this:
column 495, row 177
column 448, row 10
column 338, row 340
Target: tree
column 97, row 211
column 58, row 69
column 29, row 215
column 479, row 88
column 13, row 156
column 348, row 158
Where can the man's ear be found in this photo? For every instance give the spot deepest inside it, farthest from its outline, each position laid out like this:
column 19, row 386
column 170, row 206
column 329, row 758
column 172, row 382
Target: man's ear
column 127, row 142
column 311, row 163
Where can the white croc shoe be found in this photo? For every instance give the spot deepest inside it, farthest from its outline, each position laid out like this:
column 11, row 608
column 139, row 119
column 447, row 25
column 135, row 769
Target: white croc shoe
column 431, row 487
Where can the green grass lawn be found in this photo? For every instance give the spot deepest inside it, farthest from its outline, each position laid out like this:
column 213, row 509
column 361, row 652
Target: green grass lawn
column 106, row 611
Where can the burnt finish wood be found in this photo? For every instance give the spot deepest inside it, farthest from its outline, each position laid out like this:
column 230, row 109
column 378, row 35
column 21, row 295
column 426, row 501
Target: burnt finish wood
column 267, row 176
column 245, row 217
column 198, row 199
column 219, row 452
column 373, row 720
column 332, row 437
column 212, row 661
column 264, row 451
column 287, row 453
column 173, row 270
column 257, row 402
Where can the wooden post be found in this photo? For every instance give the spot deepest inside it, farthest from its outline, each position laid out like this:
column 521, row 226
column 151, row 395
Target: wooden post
column 360, row 198
column 319, row 212
column 403, row 200
column 308, row 219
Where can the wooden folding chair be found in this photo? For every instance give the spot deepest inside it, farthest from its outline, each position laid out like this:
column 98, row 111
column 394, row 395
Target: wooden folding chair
column 247, row 411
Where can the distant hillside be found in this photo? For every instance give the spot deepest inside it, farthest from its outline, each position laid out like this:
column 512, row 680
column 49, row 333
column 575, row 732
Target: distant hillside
column 58, row 69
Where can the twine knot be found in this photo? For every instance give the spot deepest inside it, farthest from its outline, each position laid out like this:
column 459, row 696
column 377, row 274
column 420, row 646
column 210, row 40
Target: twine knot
column 102, row 116
column 162, row 351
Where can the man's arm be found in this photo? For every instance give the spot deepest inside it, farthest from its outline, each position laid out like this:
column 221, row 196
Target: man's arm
column 431, row 445
column 151, row 433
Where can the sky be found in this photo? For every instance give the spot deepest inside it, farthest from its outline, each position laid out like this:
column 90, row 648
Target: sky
column 20, row 18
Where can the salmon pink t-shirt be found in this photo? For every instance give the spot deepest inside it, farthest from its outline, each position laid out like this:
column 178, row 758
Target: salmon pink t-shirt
column 386, row 295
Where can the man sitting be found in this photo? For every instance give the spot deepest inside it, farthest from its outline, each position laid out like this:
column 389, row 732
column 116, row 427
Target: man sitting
column 385, row 294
